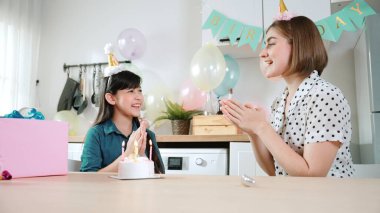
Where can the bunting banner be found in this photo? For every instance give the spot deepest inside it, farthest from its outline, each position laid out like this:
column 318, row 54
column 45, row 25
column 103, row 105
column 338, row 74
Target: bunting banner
column 350, row 18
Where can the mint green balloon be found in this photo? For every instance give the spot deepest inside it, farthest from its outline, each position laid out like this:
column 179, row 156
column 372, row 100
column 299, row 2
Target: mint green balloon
column 230, row 79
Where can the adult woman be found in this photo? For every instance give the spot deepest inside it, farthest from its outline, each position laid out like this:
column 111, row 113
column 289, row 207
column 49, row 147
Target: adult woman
column 310, row 128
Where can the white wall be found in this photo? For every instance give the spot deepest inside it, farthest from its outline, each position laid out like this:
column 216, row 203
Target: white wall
column 76, row 31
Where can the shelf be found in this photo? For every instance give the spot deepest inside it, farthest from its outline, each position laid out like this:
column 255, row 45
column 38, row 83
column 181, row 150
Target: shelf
column 201, row 138
column 76, row 139
column 185, row 138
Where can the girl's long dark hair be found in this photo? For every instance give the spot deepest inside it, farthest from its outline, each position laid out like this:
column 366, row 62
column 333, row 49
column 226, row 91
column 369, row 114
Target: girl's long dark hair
column 122, row 80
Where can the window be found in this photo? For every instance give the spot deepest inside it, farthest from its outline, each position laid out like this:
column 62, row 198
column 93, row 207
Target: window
column 19, row 41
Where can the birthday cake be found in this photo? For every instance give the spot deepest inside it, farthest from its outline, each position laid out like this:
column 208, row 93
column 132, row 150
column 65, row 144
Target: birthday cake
column 141, row 167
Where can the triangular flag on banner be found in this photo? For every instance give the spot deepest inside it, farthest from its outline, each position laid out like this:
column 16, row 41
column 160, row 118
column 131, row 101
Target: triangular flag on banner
column 325, row 31
column 231, row 29
column 251, row 35
column 342, row 22
column 214, row 22
column 357, row 11
column 337, row 23
column 330, row 27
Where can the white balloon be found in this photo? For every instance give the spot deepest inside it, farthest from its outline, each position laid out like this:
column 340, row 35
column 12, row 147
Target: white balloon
column 208, row 68
column 155, row 92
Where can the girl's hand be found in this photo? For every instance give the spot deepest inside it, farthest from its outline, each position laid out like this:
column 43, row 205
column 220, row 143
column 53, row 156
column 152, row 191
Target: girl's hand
column 248, row 117
column 144, row 121
column 142, row 145
column 130, row 143
column 140, row 136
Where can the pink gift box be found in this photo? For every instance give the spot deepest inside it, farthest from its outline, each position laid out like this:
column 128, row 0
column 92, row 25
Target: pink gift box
column 31, row 148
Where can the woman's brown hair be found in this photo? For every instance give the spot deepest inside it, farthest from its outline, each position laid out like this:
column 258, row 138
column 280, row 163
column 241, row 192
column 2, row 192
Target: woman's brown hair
column 308, row 52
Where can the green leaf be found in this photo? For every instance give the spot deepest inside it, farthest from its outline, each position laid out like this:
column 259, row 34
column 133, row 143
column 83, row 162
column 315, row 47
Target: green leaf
column 175, row 111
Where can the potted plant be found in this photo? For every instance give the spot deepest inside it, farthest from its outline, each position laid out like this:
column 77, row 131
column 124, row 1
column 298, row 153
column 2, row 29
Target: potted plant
column 179, row 117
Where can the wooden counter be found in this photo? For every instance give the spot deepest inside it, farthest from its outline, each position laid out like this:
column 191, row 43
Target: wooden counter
column 185, row 138
column 92, row 192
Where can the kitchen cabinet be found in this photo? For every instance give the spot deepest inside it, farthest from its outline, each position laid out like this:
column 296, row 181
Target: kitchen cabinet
column 201, row 154
column 246, row 11
column 242, row 160
column 74, row 155
column 75, row 151
column 259, row 13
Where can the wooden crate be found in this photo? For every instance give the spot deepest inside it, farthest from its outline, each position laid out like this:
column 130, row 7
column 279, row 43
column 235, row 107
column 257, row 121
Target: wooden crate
column 212, row 125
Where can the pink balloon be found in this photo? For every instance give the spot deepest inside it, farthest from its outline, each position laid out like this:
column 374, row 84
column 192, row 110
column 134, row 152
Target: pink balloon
column 191, row 97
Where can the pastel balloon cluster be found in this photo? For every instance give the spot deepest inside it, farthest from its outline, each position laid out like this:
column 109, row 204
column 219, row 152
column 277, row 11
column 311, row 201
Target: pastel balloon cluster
column 211, row 71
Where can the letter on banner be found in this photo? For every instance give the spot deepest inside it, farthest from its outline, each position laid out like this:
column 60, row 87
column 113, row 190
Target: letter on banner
column 343, row 22
column 330, row 28
column 251, row 35
column 325, row 31
column 337, row 23
column 231, row 29
column 214, row 22
column 357, row 11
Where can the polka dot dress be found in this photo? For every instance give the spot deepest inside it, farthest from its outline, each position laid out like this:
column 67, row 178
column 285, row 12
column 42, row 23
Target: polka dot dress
column 318, row 112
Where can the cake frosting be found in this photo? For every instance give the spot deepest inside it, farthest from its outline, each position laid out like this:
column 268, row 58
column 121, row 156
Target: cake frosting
column 130, row 168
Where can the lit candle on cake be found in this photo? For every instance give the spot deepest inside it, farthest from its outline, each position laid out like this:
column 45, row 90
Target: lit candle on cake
column 122, row 150
column 150, row 149
column 136, row 151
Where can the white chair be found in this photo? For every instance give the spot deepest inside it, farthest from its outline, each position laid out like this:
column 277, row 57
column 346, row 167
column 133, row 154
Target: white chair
column 73, row 165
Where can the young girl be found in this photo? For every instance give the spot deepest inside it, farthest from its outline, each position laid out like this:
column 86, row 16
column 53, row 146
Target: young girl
column 118, row 122
column 310, row 128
